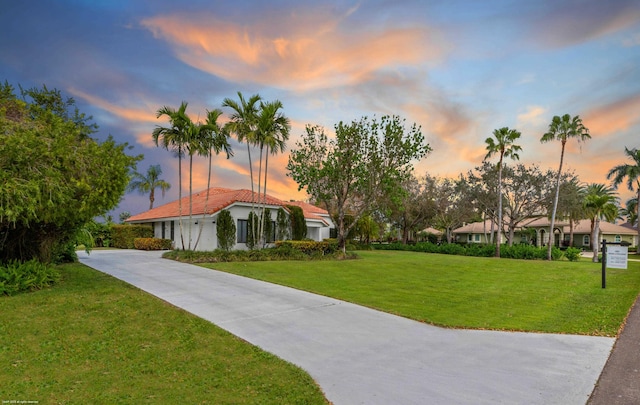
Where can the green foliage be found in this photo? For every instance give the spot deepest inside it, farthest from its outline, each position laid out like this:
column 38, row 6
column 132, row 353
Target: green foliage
column 124, row 235
column 298, row 223
column 311, row 247
column 54, row 178
column 225, row 230
column 365, row 163
column 267, row 226
column 152, row 244
column 572, row 254
column 252, row 230
column 283, row 225
column 17, row 277
column 518, row 251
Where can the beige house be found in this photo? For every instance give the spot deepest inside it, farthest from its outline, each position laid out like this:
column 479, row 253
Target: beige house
column 535, row 231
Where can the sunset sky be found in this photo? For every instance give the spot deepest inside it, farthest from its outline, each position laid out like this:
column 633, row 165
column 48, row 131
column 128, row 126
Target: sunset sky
column 459, row 69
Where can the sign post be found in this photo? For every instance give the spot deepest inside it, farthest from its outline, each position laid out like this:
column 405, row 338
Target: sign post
column 615, row 258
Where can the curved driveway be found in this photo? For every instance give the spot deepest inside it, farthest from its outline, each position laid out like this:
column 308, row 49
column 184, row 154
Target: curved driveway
column 362, row 356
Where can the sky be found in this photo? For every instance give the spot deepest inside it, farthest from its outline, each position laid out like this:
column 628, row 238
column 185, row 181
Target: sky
column 459, row 69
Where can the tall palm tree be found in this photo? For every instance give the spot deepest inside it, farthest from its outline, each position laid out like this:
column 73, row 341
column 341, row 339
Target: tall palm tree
column 599, row 203
column 173, row 138
column 503, row 145
column 148, row 183
column 243, row 124
column 562, row 129
column 630, row 211
column 272, row 131
column 215, row 140
column 632, row 172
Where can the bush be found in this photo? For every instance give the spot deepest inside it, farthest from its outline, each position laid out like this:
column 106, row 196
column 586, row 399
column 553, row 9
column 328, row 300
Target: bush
column 311, row 247
column 123, row 236
column 152, row 244
column 17, row 277
column 572, row 254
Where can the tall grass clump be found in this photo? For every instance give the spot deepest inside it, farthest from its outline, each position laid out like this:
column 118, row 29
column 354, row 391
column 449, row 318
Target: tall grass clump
column 17, row 277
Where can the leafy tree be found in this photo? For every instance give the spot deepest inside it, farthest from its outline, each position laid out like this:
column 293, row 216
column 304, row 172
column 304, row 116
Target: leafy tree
column 124, row 216
column 562, row 129
column 365, row 163
column 454, row 203
column 298, row 224
column 174, row 137
column 413, row 210
column 367, row 229
column 630, row 171
column 225, row 230
column 283, row 225
column 54, row 178
column 147, row 183
column 599, row 203
column 503, row 145
column 214, row 139
column 570, row 201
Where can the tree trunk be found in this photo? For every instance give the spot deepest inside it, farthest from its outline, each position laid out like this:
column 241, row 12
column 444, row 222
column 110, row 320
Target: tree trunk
column 638, row 220
column 206, row 204
column 571, row 222
column 555, row 206
column 180, row 196
column 151, row 198
column 190, row 195
column 499, row 236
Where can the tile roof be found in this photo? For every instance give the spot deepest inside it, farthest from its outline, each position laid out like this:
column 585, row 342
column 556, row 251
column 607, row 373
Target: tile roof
column 219, row 198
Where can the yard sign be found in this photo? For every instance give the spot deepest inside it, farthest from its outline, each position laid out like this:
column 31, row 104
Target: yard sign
column 617, row 256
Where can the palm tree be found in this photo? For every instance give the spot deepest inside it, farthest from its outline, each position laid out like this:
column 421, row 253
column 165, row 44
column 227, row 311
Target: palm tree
column 562, row 129
column 630, row 211
column 632, row 173
column 243, row 124
column 599, row 203
column 215, row 139
column 272, row 131
column 504, row 146
column 174, row 138
column 149, row 183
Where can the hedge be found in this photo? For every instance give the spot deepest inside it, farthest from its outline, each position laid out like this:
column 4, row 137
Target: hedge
column 518, row 251
column 310, row 247
column 123, row 236
column 152, row 244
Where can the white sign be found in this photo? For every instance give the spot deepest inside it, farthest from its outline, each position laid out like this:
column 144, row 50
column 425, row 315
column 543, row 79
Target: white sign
column 617, row 256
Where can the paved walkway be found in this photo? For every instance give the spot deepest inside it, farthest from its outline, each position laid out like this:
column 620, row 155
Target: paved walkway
column 362, row 356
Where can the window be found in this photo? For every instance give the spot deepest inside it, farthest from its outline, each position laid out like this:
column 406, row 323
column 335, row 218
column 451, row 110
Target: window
column 242, row 231
column 617, row 239
column 163, row 226
column 469, row 238
column 476, row 238
column 586, row 240
column 172, row 231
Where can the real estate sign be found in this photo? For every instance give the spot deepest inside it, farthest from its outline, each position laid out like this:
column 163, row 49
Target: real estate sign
column 617, row 256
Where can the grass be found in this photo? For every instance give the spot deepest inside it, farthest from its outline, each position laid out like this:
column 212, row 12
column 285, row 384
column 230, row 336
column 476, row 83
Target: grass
column 467, row 292
column 94, row 339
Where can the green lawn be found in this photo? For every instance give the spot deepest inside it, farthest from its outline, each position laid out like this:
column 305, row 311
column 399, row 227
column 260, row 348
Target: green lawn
column 467, row 292
column 95, row 340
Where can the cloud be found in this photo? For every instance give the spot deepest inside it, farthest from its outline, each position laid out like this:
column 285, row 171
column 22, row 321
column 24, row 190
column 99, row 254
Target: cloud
column 145, row 114
column 568, row 23
column 614, row 117
column 533, row 117
column 306, row 49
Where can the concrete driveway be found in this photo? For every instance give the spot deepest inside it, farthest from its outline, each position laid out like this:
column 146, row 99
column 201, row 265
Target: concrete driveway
column 362, row 356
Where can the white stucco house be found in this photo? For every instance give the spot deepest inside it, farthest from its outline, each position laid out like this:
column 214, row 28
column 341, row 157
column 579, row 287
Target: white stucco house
column 165, row 218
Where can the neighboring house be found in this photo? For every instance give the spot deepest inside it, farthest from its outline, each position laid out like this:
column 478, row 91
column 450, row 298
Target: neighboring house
column 165, row 218
column 535, row 231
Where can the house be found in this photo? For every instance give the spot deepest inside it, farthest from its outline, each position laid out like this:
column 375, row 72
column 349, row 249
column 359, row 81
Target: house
column 166, row 224
column 535, row 231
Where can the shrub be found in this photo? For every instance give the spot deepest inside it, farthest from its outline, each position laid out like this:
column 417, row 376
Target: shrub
column 17, row 277
column 298, row 223
column 572, row 254
column 310, row 247
column 152, row 244
column 123, row 236
column 226, row 230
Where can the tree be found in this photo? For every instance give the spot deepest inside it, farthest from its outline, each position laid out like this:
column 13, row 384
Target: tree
column 570, row 201
column 214, row 139
column 365, row 162
column 298, row 223
column 504, row 146
column 272, row 133
column 283, row 225
column 599, row 203
column 174, row 137
column 54, row 178
column 225, row 230
column 562, row 129
column 630, row 171
column 413, row 210
column 149, row 182
column 630, row 211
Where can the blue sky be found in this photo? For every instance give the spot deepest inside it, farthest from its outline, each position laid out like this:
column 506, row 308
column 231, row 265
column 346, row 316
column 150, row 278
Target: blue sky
column 460, row 69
